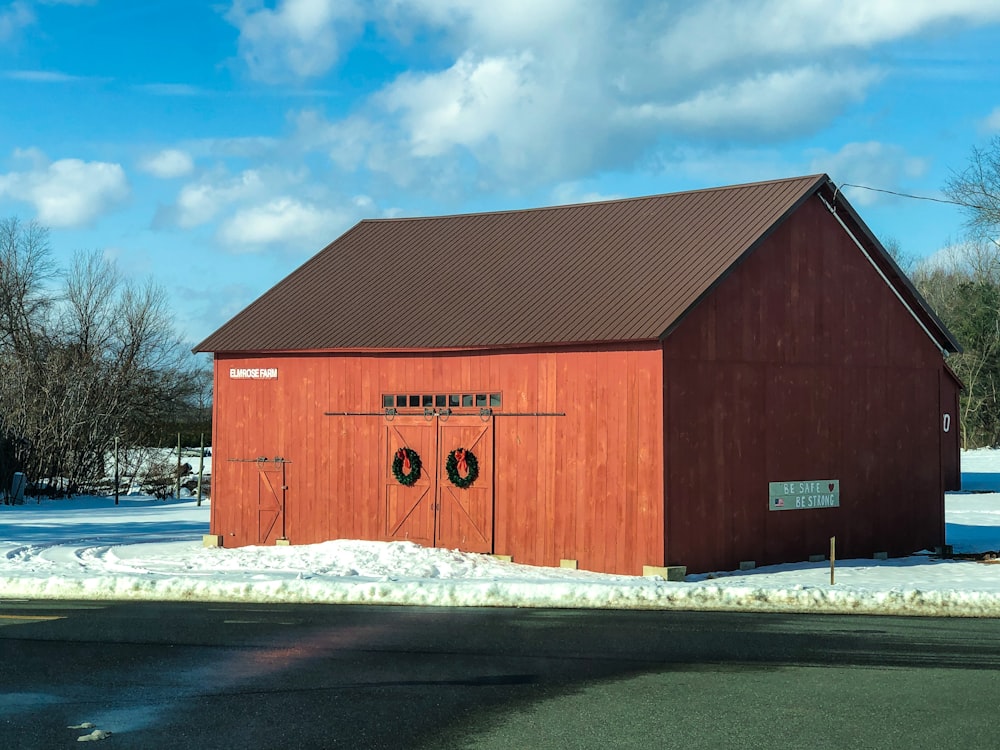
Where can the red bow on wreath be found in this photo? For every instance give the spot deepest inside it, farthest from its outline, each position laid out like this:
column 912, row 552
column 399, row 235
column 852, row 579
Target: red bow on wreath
column 405, row 458
column 463, row 467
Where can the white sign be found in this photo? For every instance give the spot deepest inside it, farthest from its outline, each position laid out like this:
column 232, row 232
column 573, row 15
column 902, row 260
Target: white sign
column 814, row 493
column 253, row 373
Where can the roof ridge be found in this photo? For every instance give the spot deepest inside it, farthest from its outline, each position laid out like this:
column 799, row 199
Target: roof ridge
column 609, row 201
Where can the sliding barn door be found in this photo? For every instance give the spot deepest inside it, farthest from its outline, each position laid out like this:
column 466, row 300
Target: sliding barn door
column 434, row 511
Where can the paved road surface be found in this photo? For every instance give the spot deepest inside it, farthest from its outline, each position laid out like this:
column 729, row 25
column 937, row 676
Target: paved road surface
column 249, row 676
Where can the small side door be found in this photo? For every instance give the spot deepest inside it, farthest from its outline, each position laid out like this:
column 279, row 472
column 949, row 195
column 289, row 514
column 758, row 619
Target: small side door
column 270, row 502
column 951, row 435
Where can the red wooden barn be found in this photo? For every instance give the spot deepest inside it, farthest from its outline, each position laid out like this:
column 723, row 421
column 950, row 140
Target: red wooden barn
column 696, row 379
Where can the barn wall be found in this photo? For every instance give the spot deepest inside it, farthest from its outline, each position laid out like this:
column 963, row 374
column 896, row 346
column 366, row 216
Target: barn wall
column 801, row 365
column 583, row 486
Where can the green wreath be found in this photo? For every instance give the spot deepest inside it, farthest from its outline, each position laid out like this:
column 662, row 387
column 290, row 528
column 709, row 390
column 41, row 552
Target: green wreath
column 406, row 456
column 458, row 457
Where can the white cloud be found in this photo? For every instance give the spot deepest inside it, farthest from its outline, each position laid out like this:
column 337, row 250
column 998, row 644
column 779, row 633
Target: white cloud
column 496, row 26
column 569, row 193
column 507, row 118
column 347, row 140
column 296, row 39
column 13, row 18
column 19, row 15
column 68, row 192
column 255, row 148
column 540, row 91
column 991, row 123
column 465, row 105
column 265, row 206
column 169, row 163
column 766, row 106
column 284, row 221
column 200, row 202
column 743, row 32
column 872, row 164
column 43, row 76
column 524, row 93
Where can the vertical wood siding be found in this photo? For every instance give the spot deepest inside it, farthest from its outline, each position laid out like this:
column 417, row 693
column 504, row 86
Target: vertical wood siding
column 801, row 365
column 585, row 486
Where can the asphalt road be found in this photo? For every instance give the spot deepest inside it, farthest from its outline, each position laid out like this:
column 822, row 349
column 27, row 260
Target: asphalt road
column 249, row 676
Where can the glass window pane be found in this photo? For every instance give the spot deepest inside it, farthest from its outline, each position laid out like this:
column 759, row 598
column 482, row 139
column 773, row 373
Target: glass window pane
column 466, row 400
column 414, row 400
column 440, row 400
column 388, row 401
column 400, row 400
column 494, row 399
column 454, row 400
column 480, row 399
column 428, row 401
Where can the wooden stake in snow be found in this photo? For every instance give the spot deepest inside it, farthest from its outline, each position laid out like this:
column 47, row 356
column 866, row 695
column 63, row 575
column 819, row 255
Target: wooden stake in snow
column 117, row 478
column 178, row 493
column 833, row 557
column 201, row 466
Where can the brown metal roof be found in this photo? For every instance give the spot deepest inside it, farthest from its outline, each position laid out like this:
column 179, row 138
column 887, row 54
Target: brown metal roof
column 610, row 271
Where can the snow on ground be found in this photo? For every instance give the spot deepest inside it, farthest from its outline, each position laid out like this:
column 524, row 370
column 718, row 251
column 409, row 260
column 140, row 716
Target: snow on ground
column 87, row 548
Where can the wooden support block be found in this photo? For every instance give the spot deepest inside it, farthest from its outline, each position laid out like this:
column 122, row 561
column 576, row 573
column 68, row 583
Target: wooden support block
column 571, row 564
column 505, row 558
column 211, row 540
column 282, row 542
column 881, row 555
column 748, row 564
column 668, row 573
column 817, row 558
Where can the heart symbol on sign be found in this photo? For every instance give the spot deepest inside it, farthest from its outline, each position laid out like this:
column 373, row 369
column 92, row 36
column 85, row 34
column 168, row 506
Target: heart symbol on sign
column 830, row 486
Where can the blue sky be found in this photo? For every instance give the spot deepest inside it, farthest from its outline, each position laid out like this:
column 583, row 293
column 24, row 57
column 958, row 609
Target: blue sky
column 215, row 147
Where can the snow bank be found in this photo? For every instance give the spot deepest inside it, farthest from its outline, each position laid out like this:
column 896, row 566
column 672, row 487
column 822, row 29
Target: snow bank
column 144, row 549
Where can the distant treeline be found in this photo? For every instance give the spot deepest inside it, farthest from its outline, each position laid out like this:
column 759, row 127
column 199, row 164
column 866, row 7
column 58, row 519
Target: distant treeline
column 86, row 357
column 962, row 284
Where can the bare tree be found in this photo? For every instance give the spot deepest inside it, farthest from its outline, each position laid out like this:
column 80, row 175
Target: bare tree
column 131, row 369
column 977, row 188
column 25, row 306
column 905, row 261
column 25, row 268
column 95, row 360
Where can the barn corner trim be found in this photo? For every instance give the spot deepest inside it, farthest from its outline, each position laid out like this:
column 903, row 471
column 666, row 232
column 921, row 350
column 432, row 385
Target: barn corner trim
column 887, row 269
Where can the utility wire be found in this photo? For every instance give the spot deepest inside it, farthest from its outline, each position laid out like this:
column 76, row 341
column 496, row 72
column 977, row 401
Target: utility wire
column 917, row 197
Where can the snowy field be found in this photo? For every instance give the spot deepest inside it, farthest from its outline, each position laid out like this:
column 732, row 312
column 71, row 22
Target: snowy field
column 87, row 548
